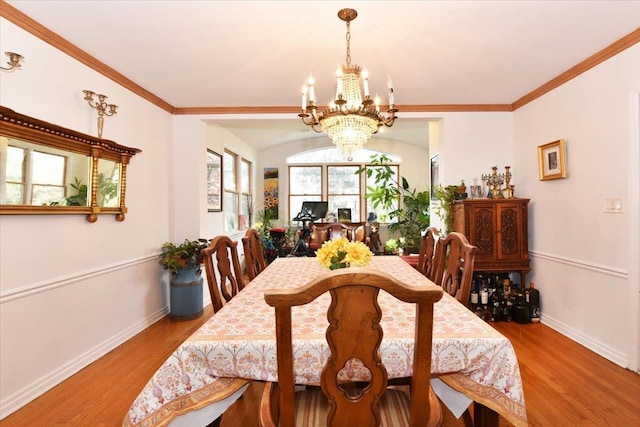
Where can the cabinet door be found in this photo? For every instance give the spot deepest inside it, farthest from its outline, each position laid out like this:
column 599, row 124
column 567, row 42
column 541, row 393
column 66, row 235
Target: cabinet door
column 509, row 230
column 481, row 230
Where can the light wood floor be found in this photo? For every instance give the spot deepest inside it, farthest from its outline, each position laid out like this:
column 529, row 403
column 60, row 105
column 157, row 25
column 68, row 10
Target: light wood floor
column 564, row 383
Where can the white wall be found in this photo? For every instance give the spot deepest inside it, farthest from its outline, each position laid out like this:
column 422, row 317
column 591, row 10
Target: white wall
column 70, row 291
column 190, row 218
column 581, row 254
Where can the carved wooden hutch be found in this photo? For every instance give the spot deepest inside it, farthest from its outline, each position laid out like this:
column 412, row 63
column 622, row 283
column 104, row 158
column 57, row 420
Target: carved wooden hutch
column 499, row 228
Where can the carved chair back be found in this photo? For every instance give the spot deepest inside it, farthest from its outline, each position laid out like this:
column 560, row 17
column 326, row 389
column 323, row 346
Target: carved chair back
column 455, row 258
column 228, row 281
column 253, row 253
column 426, row 261
column 353, row 312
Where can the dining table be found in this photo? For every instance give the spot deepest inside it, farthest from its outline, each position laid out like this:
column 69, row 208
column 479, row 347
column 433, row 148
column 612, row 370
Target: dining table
column 212, row 367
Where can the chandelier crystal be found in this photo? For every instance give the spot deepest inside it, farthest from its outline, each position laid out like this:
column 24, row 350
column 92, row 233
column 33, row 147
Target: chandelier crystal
column 349, row 119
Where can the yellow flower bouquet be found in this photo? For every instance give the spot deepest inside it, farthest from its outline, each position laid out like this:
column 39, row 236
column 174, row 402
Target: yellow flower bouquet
column 341, row 253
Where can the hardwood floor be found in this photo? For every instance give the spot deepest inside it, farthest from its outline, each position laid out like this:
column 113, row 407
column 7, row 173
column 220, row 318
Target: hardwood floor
column 564, row 383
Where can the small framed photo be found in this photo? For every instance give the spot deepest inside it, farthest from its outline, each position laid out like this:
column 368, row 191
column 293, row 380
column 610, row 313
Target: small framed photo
column 344, row 215
column 552, row 162
column 214, row 181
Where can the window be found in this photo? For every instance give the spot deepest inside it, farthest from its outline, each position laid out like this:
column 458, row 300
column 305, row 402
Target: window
column 16, row 176
column 230, row 191
column 342, row 188
column 305, row 184
column 237, row 192
column 245, row 198
column 34, row 177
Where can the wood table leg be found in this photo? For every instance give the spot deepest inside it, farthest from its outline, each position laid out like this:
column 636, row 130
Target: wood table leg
column 483, row 416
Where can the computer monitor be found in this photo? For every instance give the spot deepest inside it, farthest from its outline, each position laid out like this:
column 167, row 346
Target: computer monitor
column 314, row 210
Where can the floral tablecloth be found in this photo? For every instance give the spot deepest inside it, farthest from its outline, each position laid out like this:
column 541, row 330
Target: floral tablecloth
column 239, row 342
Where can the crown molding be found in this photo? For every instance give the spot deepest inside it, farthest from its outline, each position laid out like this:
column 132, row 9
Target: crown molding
column 28, row 24
column 573, row 72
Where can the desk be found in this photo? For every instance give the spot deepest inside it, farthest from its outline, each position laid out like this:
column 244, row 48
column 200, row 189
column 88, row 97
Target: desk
column 239, row 342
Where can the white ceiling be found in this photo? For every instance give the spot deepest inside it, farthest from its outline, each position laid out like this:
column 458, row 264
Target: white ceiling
column 259, row 53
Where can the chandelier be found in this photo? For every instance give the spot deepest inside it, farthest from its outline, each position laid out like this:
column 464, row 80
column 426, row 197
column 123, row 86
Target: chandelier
column 349, row 120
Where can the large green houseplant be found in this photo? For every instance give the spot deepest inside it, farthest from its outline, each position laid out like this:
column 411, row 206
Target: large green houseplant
column 411, row 217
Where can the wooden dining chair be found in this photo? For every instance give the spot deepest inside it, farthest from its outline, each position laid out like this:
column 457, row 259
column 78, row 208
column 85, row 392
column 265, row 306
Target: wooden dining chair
column 426, row 264
column 354, row 334
column 228, row 281
column 454, row 260
column 253, row 253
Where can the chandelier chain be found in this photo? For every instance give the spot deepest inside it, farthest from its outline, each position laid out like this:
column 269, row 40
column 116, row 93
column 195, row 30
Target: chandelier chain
column 348, row 37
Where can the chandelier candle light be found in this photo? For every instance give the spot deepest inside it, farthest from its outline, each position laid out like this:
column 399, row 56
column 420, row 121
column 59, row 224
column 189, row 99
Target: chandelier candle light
column 349, row 120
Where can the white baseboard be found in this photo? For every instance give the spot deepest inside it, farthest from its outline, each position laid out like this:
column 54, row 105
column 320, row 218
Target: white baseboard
column 22, row 397
column 593, row 345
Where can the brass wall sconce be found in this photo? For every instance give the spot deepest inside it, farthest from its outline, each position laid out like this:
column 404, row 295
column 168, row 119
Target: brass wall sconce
column 101, row 105
column 14, row 61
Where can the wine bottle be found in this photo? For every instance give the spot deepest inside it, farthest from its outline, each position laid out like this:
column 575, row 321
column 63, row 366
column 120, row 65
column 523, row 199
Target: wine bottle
column 534, row 302
column 484, row 294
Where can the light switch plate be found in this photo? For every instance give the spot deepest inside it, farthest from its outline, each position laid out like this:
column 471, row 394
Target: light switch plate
column 613, row 205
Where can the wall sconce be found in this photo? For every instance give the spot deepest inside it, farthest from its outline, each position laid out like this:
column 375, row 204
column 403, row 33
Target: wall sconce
column 14, row 61
column 101, row 105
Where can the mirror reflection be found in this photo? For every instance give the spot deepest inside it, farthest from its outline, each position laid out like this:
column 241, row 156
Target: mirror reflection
column 48, row 169
column 108, row 180
column 44, row 176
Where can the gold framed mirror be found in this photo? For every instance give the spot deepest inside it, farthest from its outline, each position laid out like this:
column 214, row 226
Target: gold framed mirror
column 47, row 169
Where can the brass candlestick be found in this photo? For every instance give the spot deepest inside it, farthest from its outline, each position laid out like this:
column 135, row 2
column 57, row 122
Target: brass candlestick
column 101, row 105
column 495, row 180
column 14, row 61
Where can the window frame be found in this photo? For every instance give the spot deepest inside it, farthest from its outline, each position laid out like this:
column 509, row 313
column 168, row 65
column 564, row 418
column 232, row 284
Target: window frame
column 324, row 179
column 236, row 162
column 358, row 195
column 246, row 195
column 293, row 213
column 28, row 183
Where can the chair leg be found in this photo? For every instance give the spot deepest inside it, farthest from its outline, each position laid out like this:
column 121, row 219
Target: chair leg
column 466, row 418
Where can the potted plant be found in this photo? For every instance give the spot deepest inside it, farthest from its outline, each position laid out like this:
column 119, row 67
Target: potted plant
column 264, row 224
column 185, row 292
column 391, row 246
column 183, row 255
column 446, row 196
column 411, row 218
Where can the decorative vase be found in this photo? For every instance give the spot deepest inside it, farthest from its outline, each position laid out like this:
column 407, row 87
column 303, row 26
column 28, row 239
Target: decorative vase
column 185, row 293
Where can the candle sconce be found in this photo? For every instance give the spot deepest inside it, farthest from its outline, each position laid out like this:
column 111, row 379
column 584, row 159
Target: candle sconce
column 101, row 105
column 13, row 62
column 494, row 182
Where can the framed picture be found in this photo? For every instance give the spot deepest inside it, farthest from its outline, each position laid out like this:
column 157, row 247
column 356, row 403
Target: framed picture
column 551, row 160
column 344, row 215
column 435, row 175
column 214, row 181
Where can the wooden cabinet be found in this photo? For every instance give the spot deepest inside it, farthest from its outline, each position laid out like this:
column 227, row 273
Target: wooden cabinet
column 499, row 228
